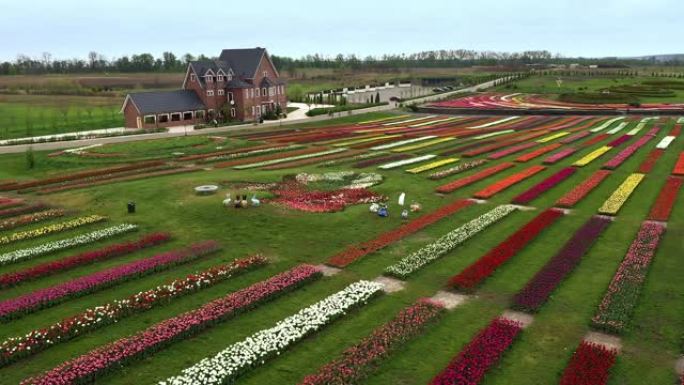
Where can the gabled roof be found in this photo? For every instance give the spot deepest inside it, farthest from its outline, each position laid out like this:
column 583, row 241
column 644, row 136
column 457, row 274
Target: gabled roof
column 165, row 101
column 201, row 68
column 266, row 82
column 237, row 83
column 244, row 61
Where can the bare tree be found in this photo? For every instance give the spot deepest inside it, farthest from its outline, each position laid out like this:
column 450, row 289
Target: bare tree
column 92, row 59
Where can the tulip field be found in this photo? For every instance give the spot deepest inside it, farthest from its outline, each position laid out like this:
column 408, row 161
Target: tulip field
column 513, row 250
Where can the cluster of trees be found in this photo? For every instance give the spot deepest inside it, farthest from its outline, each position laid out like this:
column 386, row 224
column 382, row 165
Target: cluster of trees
column 95, row 62
column 169, row 62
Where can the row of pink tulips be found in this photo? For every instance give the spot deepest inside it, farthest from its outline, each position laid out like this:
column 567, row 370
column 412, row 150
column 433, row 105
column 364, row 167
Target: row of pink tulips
column 37, row 340
column 46, row 297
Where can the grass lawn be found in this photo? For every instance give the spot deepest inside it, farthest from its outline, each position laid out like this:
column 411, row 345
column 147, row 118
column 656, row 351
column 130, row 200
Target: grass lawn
column 574, row 84
column 34, row 115
column 290, row 237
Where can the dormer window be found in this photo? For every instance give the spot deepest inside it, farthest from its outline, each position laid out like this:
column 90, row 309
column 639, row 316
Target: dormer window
column 209, row 78
column 220, row 78
column 230, row 77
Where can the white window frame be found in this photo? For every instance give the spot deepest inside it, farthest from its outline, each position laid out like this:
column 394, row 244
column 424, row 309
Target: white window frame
column 257, row 93
column 154, row 118
column 231, row 96
column 168, row 118
column 253, row 111
column 192, row 115
column 264, row 92
column 251, row 92
column 193, row 77
column 210, row 93
column 221, row 92
column 209, row 79
column 232, row 112
column 265, row 73
column 180, row 117
column 219, row 78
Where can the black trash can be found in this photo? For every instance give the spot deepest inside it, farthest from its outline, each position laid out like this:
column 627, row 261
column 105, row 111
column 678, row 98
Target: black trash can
column 131, row 207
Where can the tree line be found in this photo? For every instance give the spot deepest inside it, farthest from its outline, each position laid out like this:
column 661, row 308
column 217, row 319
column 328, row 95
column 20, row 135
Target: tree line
column 170, row 62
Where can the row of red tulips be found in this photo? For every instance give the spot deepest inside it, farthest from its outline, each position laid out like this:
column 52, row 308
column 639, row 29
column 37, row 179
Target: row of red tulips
column 358, row 361
column 583, row 189
column 662, row 208
column 547, row 184
column 616, row 308
column 86, row 368
column 679, row 167
column 49, row 296
column 594, row 140
column 650, row 161
column 538, row 152
column 507, row 182
column 10, row 202
column 468, row 180
column 64, row 177
column 590, row 365
column 484, row 351
column 354, row 252
column 539, row 288
column 14, row 211
column 82, row 259
column 476, row 273
column 512, row 150
column 16, row 348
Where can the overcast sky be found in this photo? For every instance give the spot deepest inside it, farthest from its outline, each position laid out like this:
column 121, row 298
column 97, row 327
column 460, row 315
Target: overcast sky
column 72, row 28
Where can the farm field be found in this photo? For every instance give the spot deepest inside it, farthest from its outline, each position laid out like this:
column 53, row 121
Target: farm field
column 536, row 250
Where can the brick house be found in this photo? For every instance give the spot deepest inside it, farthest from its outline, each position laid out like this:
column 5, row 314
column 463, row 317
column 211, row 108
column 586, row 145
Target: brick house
column 243, row 84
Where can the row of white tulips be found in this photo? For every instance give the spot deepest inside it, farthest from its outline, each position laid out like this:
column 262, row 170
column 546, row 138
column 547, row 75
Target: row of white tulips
column 402, row 142
column 62, row 244
column 617, row 128
column 404, row 162
column 606, row 124
column 356, row 180
column 230, row 363
column 665, row 142
column 448, row 242
column 289, row 159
